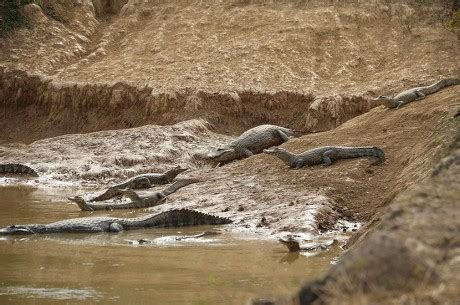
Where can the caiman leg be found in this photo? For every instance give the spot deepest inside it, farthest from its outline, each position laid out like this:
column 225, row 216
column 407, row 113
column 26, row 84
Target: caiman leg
column 420, row 96
column 115, row 227
column 283, row 136
column 298, row 164
column 399, row 104
column 327, row 157
column 246, row 152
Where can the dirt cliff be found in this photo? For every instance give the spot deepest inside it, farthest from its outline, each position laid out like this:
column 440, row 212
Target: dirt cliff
column 236, row 64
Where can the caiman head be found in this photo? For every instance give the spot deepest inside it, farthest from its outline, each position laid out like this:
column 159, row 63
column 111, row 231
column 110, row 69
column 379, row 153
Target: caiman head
column 178, row 169
column 224, row 154
column 291, row 244
column 16, row 229
column 383, row 100
column 81, row 203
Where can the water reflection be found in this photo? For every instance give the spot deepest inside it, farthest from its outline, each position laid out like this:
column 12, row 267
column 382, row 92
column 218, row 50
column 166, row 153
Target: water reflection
column 51, row 293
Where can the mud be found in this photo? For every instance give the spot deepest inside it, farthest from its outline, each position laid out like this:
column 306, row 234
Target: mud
column 106, row 155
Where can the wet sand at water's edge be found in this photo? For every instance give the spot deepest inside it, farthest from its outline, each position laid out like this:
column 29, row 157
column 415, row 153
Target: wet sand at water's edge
column 107, row 269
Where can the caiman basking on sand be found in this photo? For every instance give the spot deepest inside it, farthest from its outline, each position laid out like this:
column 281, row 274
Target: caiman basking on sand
column 172, row 218
column 14, row 168
column 414, row 94
column 325, row 155
column 137, row 201
column 253, row 141
column 139, row 182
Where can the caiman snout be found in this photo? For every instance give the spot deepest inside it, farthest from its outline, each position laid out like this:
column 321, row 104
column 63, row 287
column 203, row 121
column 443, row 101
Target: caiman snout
column 272, row 150
column 181, row 169
column 222, row 154
column 12, row 230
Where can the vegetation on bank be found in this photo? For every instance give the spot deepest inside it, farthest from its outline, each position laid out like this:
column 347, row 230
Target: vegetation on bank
column 454, row 22
column 11, row 16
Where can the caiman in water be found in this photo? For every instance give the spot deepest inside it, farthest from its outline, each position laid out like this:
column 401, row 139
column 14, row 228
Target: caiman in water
column 172, row 218
column 137, row 201
column 15, row 168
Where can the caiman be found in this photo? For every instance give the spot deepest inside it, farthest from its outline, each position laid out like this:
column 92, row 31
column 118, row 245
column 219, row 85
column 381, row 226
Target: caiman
column 14, row 168
column 253, row 141
column 325, row 155
column 137, row 201
column 172, row 218
column 139, row 182
column 414, row 94
column 294, row 246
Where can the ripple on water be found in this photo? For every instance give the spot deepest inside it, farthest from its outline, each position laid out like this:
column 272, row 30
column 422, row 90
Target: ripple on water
column 52, row 293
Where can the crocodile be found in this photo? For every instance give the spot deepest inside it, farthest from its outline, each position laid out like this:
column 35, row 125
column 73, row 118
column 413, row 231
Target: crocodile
column 142, row 181
column 171, row 218
column 325, row 155
column 253, row 141
column 414, row 94
column 137, row 201
column 294, row 246
column 14, row 168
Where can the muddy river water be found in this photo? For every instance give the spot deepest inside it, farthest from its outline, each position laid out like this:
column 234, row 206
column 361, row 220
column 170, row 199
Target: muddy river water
column 107, row 269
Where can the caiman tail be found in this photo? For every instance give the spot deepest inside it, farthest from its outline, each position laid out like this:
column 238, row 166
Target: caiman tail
column 177, row 185
column 110, row 193
column 13, row 168
column 365, row 151
column 441, row 84
column 166, row 192
column 132, row 195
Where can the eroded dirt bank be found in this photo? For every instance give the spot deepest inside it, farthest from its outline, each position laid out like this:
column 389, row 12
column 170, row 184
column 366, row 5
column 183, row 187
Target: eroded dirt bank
column 408, row 254
column 35, row 107
column 234, row 63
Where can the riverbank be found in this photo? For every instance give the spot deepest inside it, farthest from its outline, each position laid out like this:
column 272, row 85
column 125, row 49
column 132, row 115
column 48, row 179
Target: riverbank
column 407, row 253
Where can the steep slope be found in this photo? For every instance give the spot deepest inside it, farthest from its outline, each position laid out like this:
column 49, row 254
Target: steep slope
column 161, row 62
column 408, row 253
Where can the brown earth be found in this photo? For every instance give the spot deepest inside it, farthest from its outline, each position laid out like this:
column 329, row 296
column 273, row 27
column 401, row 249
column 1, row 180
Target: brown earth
column 321, row 46
column 236, row 64
column 410, row 254
column 35, row 107
column 310, row 65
